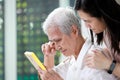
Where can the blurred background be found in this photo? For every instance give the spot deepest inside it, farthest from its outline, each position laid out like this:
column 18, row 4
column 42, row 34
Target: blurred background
column 20, row 31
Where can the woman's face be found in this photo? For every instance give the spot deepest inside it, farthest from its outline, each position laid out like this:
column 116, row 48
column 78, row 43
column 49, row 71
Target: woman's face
column 93, row 23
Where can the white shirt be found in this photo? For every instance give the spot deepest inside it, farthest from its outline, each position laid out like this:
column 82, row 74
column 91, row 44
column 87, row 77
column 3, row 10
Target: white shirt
column 72, row 69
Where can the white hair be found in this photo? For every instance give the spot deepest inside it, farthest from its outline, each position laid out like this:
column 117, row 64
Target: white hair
column 63, row 18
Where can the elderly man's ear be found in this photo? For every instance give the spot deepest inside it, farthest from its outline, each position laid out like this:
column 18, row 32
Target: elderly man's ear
column 74, row 30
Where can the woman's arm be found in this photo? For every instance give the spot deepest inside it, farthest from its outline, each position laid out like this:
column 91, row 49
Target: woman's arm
column 100, row 61
column 116, row 70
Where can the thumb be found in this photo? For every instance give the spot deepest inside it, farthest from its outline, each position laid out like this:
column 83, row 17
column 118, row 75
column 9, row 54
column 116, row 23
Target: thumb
column 53, row 51
column 40, row 72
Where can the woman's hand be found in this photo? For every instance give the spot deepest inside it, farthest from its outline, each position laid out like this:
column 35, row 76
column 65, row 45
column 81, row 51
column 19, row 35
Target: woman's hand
column 97, row 60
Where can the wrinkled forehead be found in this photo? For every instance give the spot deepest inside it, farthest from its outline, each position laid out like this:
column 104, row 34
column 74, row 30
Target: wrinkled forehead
column 53, row 29
column 54, row 33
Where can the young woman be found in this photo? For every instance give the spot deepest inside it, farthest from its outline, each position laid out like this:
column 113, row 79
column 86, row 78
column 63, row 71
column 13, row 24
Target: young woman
column 103, row 18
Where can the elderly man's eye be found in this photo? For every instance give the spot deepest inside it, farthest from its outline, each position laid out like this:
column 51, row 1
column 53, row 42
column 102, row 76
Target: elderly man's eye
column 58, row 40
column 55, row 40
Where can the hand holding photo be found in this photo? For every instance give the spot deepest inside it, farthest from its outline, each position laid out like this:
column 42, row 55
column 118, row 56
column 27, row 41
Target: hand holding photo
column 34, row 60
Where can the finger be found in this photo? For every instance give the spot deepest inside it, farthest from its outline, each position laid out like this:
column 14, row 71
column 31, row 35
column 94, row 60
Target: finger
column 47, row 47
column 53, row 51
column 52, row 44
column 46, row 76
column 43, row 47
column 90, row 65
column 41, row 74
column 89, row 62
column 97, row 51
column 89, row 59
column 40, row 70
column 51, row 48
column 56, row 75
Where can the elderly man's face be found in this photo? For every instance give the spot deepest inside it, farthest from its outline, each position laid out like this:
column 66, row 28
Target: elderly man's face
column 64, row 43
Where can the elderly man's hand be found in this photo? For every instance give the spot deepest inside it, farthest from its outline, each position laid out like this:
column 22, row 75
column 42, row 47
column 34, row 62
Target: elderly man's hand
column 49, row 75
column 48, row 49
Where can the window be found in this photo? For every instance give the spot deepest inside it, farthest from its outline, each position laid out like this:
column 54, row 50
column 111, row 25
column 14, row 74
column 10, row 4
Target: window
column 1, row 40
column 30, row 16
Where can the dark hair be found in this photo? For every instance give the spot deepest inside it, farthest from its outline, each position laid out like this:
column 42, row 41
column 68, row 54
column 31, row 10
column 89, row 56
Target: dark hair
column 109, row 10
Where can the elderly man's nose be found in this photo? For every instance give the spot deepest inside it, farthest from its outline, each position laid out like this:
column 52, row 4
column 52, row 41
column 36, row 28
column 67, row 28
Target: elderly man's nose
column 59, row 48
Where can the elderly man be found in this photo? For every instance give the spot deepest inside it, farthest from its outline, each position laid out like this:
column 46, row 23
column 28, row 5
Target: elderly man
column 64, row 33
